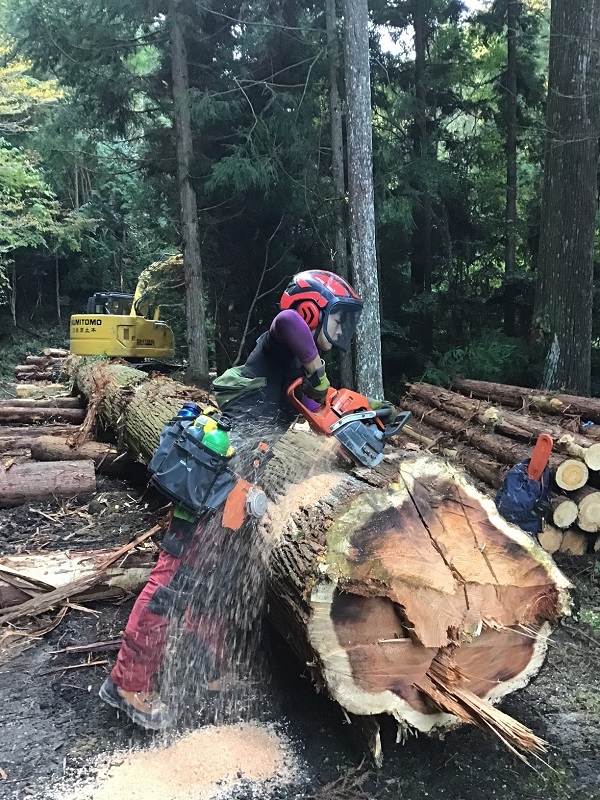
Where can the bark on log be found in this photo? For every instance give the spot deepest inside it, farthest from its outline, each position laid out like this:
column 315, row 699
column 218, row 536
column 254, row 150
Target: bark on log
column 48, row 402
column 133, row 404
column 502, row 448
column 509, row 423
column 22, row 483
column 42, row 361
column 384, row 591
column 39, row 391
column 105, row 457
column 25, row 576
column 522, row 397
column 28, row 416
column 401, row 587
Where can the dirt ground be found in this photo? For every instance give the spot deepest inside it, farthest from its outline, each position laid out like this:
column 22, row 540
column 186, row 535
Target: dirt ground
column 52, row 724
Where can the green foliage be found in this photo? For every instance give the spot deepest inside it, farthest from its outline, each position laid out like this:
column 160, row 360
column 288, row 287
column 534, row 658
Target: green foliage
column 30, row 215
column 491, row 357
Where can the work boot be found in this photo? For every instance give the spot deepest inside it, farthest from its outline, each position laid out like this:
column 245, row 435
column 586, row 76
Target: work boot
column 144, row 708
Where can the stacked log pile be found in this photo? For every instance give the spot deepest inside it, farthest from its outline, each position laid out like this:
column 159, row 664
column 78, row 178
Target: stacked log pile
column 43, row 367
column 489, row 427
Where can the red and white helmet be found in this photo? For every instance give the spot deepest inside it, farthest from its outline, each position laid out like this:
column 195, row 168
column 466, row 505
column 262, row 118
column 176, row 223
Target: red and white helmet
column 326, row 303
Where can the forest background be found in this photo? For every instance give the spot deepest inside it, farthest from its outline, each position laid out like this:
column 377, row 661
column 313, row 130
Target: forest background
column 88, row 171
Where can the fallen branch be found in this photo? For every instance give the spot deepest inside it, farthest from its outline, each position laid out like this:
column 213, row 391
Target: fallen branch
column 37, row 605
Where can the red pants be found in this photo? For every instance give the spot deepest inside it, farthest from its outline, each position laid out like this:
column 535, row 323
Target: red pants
column 168, row 594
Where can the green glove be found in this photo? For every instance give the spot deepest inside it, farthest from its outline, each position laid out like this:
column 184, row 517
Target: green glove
column 316, row 384
column 377, row 405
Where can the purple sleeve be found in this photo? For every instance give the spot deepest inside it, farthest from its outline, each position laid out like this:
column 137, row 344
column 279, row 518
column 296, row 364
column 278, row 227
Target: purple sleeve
column 290, row 329
column 311, row 404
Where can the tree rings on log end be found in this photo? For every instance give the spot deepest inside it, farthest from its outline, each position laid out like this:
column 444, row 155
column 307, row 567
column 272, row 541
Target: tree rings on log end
column 571, row 474
column 426, row 567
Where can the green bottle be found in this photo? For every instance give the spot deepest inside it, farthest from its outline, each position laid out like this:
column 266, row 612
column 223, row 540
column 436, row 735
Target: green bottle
column 217, row 439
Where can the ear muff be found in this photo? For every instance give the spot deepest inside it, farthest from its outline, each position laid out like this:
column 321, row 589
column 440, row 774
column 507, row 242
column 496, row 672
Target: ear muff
column 310, row 313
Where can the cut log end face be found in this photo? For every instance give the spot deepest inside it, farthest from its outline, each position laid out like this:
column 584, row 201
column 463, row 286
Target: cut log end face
column 424, row 571
column 571, row 474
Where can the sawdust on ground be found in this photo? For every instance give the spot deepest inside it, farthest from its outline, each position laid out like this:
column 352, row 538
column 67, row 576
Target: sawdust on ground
column 198, row 766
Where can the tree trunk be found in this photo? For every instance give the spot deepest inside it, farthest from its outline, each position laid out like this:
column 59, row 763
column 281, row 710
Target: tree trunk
column 518, row 426
column 421, row 249
column 340, row 254
column 22, row 483
column 360, row 190
column 510, row 117
column 27, row 416
column 523, row 397
column 194, row 300
column 105, row 457
column 564, row 286
column 396, row 585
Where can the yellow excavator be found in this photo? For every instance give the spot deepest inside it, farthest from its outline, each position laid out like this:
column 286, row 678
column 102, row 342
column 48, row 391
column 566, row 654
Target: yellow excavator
column 122, row 325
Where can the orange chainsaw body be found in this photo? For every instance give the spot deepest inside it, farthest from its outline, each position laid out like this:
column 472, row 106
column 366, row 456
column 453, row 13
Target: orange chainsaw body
column 336, row 405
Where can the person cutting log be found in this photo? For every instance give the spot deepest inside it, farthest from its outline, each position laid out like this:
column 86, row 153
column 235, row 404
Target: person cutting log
column 319, row 311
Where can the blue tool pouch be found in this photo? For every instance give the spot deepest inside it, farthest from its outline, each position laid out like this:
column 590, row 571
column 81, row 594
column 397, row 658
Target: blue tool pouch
column 523, row 501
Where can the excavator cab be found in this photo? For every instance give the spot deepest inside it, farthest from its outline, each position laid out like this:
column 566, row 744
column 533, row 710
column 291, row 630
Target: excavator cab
column 109, row 303
column 113, row 326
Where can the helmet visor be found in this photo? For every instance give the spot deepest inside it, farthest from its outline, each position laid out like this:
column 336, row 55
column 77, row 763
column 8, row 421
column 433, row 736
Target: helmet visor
column 339, row 325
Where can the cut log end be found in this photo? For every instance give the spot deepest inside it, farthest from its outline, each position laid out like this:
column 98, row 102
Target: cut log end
column 550, row 539
column 571, row 474
column 423, row 572
column 592, row 457
column 564, row 512
column 589, row 513
column 574, row 543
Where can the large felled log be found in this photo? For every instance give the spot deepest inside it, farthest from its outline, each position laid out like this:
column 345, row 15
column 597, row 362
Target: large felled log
column 28, row 416
column 133, row 404
column 22, row 483
column 402, row 588
column 23, row 577
column 522, row 397
column 105, row 457
column 509, row 423
column 411, row 599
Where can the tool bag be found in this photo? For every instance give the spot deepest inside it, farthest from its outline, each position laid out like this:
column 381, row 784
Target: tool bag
column 192, row 476
column 169, row 434
column 524, row 501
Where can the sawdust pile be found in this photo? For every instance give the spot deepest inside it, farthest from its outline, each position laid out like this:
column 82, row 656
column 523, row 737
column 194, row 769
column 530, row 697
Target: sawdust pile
column 198, row 766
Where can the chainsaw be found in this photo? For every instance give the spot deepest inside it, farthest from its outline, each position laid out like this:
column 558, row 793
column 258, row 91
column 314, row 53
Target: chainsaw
column 347, row 415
